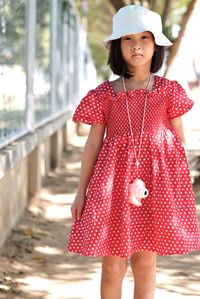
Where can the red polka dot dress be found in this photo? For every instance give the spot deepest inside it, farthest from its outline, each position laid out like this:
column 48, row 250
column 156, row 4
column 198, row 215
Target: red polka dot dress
column 167, row 220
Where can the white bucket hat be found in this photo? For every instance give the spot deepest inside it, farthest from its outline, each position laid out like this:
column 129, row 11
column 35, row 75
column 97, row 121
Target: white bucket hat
column 133, row 19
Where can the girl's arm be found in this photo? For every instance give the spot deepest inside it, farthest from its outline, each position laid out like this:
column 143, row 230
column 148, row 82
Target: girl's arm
column 89, row 158
column 177, row 125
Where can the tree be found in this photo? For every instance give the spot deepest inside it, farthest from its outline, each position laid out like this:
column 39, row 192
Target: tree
column 152, row 4
column 177, row 42
column 120, row 3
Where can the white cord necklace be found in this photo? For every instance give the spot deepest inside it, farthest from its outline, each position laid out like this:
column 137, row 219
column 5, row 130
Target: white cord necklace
column 137, row 157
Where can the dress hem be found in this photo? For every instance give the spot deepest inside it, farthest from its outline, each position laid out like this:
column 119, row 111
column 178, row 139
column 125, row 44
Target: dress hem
column 137, row 250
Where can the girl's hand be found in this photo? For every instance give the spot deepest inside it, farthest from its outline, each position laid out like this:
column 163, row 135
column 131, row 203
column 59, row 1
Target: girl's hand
column 78, row 206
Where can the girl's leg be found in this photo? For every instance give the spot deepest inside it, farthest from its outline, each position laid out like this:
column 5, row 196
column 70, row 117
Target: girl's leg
column 113, row 271
column 143, row 266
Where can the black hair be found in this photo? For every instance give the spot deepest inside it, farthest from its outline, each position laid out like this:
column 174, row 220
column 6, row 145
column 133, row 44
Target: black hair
column 118, row 65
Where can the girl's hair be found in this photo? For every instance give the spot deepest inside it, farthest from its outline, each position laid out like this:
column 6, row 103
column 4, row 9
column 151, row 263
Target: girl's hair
column 118, row 65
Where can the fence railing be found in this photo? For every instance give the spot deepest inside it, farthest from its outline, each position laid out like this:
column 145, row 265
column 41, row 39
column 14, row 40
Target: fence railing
column 43, row 65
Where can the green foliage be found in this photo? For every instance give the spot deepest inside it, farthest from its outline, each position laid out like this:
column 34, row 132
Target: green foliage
column 66, row 5
column 43, row 35
column 12, row 32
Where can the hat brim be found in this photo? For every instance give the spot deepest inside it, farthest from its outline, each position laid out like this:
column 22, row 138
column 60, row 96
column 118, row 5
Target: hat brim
column 160, row 39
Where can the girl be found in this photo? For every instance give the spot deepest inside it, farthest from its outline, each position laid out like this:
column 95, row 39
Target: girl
column 135, row 198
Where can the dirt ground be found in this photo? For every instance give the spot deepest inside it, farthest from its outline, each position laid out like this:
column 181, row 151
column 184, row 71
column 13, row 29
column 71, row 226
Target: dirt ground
column 34, row 264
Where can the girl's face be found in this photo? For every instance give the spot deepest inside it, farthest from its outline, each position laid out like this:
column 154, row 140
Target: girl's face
column 138, row 49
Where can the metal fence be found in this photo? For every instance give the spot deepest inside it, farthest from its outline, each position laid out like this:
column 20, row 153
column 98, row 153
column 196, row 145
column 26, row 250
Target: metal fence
column 44, row 63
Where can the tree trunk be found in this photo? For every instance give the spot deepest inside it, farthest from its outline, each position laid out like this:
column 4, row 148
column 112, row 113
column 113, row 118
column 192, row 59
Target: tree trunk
column 152, row 4
column 176, row 45
column 117, row 4
column 166, row 11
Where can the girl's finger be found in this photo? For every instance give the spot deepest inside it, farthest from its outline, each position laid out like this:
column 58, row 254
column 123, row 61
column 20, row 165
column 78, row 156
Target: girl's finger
column 79, row 212
column 74, row 212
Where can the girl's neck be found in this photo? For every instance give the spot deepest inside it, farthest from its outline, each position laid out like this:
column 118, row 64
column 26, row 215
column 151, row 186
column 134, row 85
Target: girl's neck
column 138, row 81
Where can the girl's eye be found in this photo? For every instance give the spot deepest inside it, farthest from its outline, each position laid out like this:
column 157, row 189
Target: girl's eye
column 126, row 38
column 144, row 37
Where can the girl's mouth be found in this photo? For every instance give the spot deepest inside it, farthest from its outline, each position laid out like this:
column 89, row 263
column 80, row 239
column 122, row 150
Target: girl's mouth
column 137, row 55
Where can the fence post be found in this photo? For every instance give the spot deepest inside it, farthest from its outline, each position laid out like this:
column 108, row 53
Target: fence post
column 54, row 69
column 30, row 61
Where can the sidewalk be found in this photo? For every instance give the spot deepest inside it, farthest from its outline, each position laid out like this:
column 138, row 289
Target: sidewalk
column 33, row 262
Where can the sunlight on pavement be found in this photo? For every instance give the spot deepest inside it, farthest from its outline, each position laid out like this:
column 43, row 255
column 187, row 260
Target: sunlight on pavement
column 74, row 165
column 4, row 287
column 55, row 212
column 58, row 209
column 36, row 283
column 54, row 198
column 70, row 198
column 52, row 289
column 85, row 289
column 57, row 198
column 48, row 250
column 80, row 290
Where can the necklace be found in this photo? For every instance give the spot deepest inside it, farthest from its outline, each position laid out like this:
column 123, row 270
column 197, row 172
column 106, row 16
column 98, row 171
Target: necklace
column 137, row 157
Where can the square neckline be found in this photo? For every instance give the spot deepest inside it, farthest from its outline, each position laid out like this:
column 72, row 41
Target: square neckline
column 133, row 90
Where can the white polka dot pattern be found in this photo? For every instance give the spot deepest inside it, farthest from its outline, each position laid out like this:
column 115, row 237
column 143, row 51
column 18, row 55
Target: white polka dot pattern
column 167, row 220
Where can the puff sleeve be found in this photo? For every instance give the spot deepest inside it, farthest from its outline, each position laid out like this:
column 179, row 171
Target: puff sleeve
column 178, row 102
column 90, row 110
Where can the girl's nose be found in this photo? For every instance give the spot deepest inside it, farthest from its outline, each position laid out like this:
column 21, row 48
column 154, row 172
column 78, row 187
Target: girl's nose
column 135, row 47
